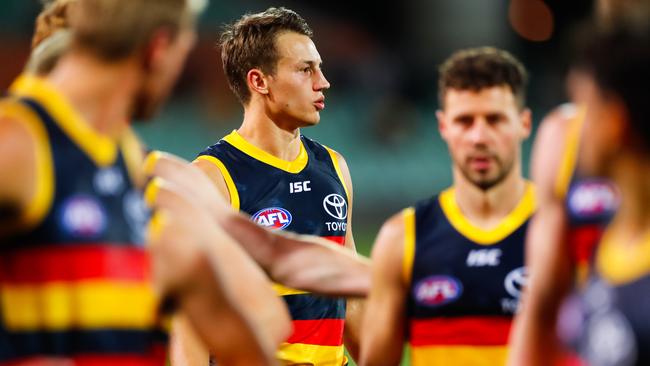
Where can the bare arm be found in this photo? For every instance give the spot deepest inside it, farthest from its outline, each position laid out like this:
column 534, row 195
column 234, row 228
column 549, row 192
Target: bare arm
column 384, row 319
column 201, row 267
column 533, row 337
column 18, row 164
column 294, row 260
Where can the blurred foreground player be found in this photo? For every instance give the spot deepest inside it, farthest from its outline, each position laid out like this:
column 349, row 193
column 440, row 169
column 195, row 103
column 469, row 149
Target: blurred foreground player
column 574, row 209
column 75, row 278
column 448, row 272
column 608, row 322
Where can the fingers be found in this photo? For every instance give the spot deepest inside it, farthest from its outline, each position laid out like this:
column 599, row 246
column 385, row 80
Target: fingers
column 187, row 179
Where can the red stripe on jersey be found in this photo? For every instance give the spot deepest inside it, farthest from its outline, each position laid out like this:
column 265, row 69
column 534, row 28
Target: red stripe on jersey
column 322, row 332
column 75, row 262
column 583, row 241
column 466, row 330
column 337, row 239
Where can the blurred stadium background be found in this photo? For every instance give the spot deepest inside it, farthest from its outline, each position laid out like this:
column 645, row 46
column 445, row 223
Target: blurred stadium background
column 381, row 59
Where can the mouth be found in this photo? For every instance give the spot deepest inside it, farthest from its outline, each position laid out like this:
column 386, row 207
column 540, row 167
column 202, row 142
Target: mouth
column 480, row 163
column 320, row 104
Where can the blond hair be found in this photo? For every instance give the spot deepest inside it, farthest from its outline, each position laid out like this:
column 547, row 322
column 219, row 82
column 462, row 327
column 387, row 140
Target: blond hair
column 114, row 29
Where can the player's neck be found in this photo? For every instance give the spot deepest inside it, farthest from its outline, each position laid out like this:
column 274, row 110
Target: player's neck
column 632, row 176
column 101, row 93
column 486, row 208
column 261, row 131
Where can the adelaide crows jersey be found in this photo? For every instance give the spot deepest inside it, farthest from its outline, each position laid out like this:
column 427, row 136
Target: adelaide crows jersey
column 590, row 202
column 305, row 196
column 609, row 324
column 75, row 278
column 464, row 281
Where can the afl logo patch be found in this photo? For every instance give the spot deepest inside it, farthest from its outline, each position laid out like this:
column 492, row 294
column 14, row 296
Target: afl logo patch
column 273, row 217
column 336, row 206
column 83, row 216
column 437, row 290
column 516, row 281
column 592, row 198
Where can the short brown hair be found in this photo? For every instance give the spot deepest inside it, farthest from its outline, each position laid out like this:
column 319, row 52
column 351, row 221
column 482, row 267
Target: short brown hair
column 115, row 29
column 249, row 43
column 478, row 68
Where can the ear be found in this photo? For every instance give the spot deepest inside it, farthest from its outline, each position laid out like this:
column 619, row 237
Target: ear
column 526, row 118
column 442, row 123
column 257, row 81
column 155, row 51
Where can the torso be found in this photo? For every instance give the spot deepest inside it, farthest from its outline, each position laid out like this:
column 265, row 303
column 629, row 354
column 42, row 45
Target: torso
column 76, row 281
column 464, row 284
column 306, row 196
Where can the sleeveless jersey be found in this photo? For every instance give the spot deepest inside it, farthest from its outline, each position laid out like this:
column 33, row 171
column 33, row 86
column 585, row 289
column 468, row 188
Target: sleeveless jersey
column 464, row 282
column 75, row 280
column 305, row 196
column 590, row 202
column 609, row 323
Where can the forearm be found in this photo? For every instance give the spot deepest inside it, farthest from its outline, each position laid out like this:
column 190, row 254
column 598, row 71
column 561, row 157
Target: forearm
column 353, row 320
column 302, row 262
column 218, row 321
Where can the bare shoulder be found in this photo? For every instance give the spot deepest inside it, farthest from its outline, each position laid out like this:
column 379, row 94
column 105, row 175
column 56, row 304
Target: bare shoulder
column 550, row 147
column 18, row 142
column 388, row 251
column 212, row 169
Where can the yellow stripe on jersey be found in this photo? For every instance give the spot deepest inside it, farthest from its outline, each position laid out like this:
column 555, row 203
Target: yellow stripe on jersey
column 570, row 156
column 41, row 201
column 133, row 153
column 505, row 227
column 409, row 243
column 337, row 167
column 230, row 183
column 458, row 355
column 100, row 148
column 87, row 304
column 299, row 353
column 295, row 166
column 284, row 291
column 621, row 263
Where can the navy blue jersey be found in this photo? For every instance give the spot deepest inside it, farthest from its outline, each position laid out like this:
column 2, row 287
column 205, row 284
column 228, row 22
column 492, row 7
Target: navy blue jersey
column 590, row 202
column 464, row 281
column 607, row 322
column 305, row 196
column 76, row 277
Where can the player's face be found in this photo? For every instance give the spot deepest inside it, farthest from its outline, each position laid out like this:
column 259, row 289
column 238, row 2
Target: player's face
column 165, row 64
column 296, row 88
column 602, row 134
column 483, row 130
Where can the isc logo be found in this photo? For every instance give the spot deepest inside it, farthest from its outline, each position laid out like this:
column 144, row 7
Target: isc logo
column 297, row 187
column 483, row 258
column 273, row 217
column 437, row 290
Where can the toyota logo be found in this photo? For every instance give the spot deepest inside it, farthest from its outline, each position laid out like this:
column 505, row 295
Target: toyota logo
column 515, row 281
column 336, row 206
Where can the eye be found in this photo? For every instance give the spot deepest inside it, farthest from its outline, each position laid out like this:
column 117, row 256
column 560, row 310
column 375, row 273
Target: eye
column 307, row 69
column 495, row 118
column 464, row 120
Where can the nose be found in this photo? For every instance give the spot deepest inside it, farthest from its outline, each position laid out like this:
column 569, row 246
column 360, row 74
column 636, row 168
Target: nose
column 321, row 82
column 479, row 132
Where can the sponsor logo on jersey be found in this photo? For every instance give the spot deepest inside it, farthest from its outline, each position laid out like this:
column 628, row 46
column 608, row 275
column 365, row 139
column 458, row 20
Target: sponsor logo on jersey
column 273, row 217
column 83, row 216
column 484, row 258
column 109, row 181
column 437, row 290
column 516, row 281
column 592, row 198
column 336, row 206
